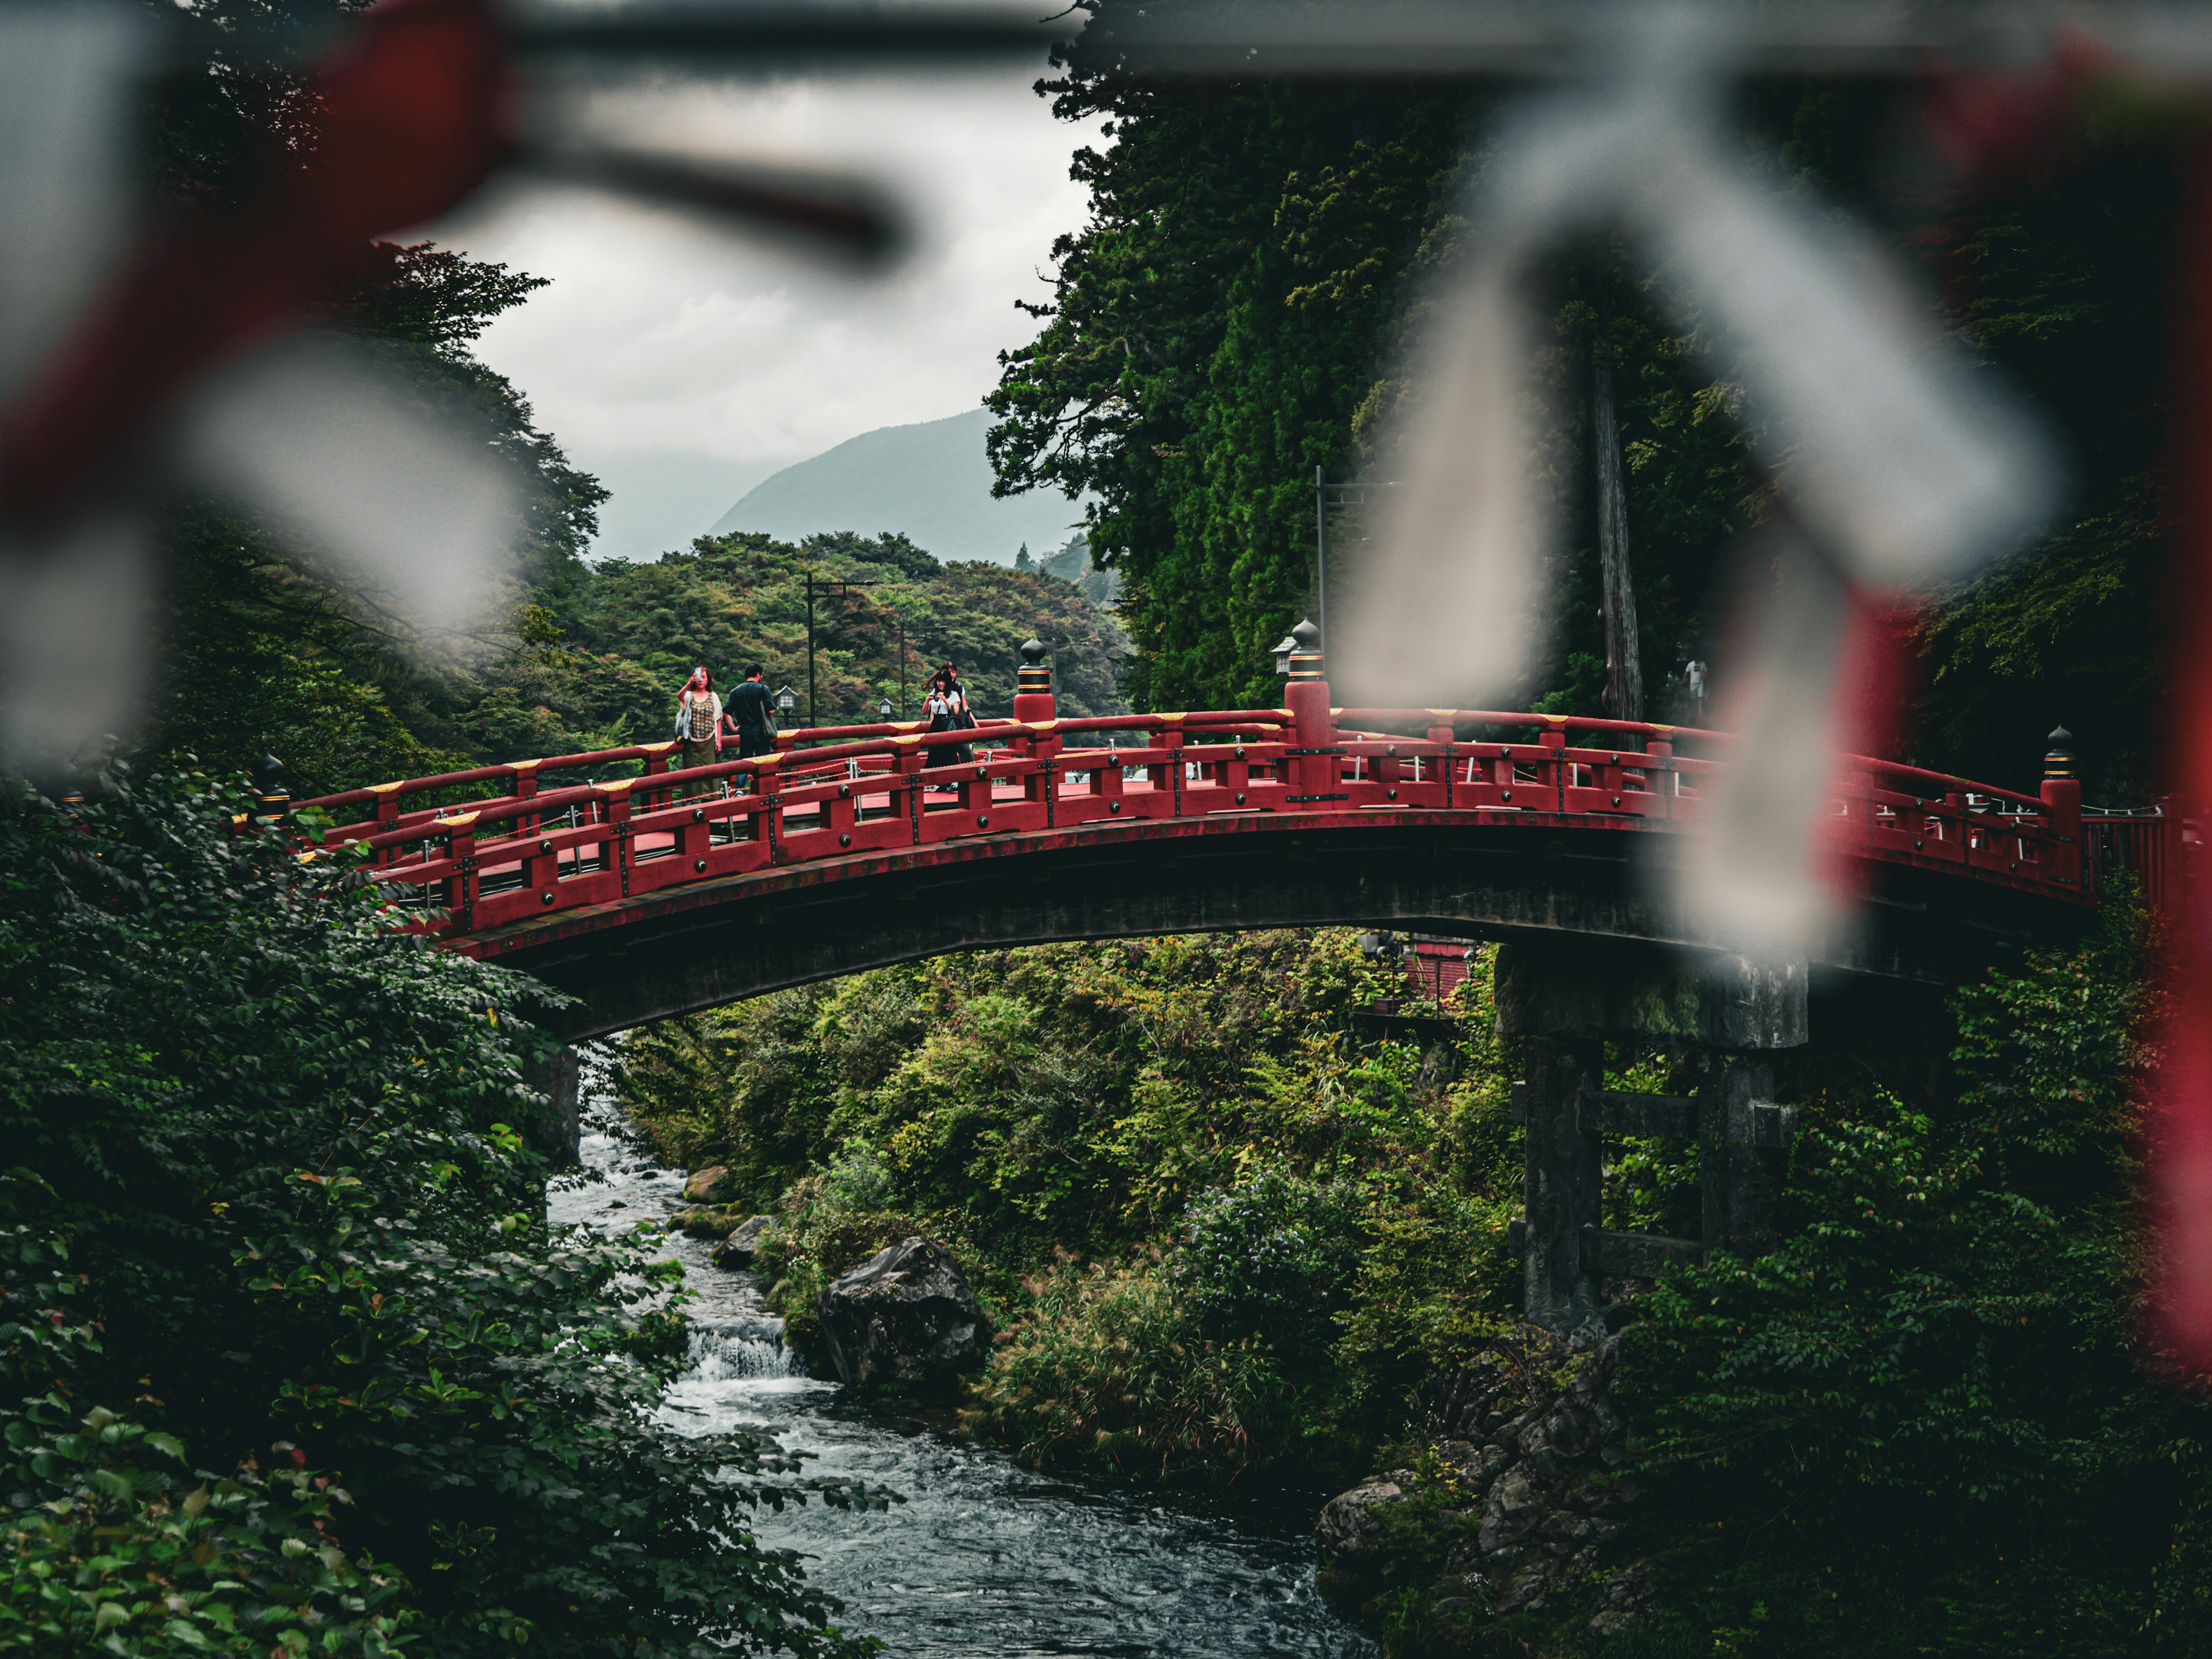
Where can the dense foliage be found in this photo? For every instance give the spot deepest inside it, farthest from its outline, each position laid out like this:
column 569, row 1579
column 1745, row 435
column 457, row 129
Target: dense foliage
column 1182, row 1145
column 1211, row 337
column 1234, row 312
column 1920, row 1423
column 603, row 658
column 290, row 1356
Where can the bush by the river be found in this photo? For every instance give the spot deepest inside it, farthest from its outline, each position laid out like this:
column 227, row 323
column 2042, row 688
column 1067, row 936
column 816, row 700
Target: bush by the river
column 289, row 1359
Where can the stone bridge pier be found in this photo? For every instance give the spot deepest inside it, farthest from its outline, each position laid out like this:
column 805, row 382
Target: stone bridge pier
column 1568, row 998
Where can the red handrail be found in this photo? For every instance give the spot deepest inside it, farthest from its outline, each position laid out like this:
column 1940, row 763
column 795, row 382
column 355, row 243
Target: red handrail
column 837, row 791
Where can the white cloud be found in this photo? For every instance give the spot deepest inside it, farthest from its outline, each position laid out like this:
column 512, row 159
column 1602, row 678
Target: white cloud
column 663, row 337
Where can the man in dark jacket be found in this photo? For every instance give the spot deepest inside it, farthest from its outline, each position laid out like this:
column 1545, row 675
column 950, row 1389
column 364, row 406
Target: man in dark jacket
column 754, row 712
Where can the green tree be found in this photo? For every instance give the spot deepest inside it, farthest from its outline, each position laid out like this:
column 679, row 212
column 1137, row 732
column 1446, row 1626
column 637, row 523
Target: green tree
column 272, row 1139
column 1922, row 1422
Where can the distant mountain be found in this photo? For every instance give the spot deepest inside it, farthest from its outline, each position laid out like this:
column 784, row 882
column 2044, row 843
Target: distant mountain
column 930, row 481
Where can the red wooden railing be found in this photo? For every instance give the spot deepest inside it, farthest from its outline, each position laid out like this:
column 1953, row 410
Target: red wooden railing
column 527, row 849
column 2149, row 845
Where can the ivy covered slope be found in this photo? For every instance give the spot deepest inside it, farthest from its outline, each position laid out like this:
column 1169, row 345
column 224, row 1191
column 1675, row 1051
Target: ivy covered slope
column 289, row 1361
column 1221, row 1230
column 1236, row 308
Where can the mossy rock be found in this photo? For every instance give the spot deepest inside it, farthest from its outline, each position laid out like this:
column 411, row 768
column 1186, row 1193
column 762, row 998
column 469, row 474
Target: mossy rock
column 702, row 1222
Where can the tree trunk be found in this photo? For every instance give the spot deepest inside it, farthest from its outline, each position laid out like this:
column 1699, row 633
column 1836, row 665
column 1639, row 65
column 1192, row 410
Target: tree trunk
column 1623, row 659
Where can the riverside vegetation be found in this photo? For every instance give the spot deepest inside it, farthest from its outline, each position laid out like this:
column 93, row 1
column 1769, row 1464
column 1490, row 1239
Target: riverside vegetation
column 289, row 1361
column 1225, row 1237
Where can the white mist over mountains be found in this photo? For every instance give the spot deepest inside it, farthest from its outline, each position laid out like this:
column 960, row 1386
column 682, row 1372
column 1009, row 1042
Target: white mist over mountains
column 685, row 366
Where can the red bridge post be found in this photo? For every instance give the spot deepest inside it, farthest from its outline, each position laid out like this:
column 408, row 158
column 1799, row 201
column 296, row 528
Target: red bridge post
column 1034, row 705
column 1033, row 698
column 2061, row 799
column 1313, row 770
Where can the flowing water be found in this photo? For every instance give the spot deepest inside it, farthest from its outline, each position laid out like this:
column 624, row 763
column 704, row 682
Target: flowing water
column 984, row 1558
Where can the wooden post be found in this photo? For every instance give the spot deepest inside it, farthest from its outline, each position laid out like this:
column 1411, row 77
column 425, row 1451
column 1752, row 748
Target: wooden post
column 1735, row 1173
column 1033, row 698
column 558, row 1134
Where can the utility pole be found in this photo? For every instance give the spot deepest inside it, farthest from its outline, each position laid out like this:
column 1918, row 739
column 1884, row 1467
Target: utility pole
column 1623, row 656
column 1321, row 553
column 836, row 588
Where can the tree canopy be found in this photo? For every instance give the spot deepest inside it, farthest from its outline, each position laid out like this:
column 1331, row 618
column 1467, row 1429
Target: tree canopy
column 1232, row 311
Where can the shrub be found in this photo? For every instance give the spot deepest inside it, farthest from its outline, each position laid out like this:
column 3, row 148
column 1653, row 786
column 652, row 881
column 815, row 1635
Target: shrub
column 1112, row 1370
column 1273, row 1256
column 1918, row 1423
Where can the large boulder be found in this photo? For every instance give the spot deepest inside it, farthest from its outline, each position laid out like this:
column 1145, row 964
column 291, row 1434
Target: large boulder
column 903, row 1318
column 745, row 1242
column 699, row 1186
column 704, row 1221
column 1351, row 1521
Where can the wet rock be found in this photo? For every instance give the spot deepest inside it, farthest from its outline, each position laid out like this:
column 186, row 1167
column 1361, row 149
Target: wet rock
column 698, row 1223
column 699, row 1186
column 1515, row 1508
column 1463, row 1455
column 1495, row 1461
column 1530, row 1434
column 745, row 1242
column 1564, row 1527
column 1508, row 1434
column 1570, row 1430
column 1611, row 1427
column 904, row 1318
column 1622, row 1598
column 1525, row 1587
column 1350, row 1522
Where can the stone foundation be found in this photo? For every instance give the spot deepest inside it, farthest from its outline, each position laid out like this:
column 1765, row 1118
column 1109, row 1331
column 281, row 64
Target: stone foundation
column 1519, row 1496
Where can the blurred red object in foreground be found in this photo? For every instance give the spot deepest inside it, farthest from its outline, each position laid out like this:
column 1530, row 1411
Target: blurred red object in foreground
column 412, row 116
column 2180, row 1128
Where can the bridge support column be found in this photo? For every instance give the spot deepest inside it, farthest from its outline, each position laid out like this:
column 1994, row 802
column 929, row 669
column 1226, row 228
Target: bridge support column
column 1561, row 1181
column 1568, row 998
column 559, row 1133
column 1737, row 1176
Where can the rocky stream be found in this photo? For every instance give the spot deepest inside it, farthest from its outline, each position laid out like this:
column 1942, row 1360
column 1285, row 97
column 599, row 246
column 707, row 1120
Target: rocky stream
column 985, row 1557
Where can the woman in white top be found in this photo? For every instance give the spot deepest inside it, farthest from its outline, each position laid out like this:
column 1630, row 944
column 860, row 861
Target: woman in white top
column 699, row 719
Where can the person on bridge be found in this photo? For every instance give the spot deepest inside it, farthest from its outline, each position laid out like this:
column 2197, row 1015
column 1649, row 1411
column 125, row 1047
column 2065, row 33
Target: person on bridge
column 699, row 719
column 754, row 712
column 961, row 716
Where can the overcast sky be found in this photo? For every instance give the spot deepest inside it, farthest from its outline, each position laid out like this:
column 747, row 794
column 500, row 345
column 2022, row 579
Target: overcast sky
column 683, row 364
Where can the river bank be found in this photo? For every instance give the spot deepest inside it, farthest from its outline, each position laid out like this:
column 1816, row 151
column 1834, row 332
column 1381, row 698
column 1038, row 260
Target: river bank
column 984, row 1557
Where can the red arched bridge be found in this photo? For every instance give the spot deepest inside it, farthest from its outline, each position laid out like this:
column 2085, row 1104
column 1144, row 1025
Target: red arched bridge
column 661, row 892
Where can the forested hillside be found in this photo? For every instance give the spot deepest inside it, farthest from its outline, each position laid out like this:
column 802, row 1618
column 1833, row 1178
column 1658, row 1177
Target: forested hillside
column 1224, row 320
